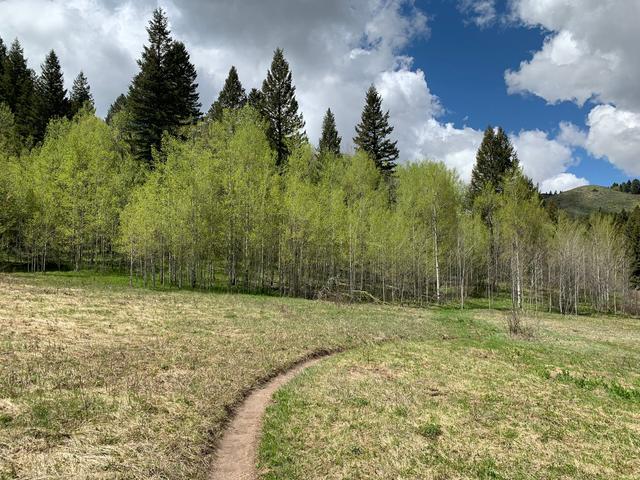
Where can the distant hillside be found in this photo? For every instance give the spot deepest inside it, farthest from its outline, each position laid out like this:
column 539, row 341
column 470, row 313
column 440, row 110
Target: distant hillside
column 583, row 201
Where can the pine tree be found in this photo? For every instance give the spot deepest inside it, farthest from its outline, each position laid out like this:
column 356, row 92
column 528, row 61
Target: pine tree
column 163, row 95
column 633, row 239
column 80, row 94
column 149, row 91
column 118, row 104
column 232, row 96
column 330, row 140
column 183, row 94
column 372, row 132
column 255, row 99
column 18, row 83
column 495, row 158
column 3, row 59
column 280, row 108
column 52, row 96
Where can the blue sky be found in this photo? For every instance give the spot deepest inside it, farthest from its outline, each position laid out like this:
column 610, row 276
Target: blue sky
column 560, row 76
column 465, row 64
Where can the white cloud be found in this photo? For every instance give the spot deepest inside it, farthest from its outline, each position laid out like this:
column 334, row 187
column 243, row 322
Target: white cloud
column 542, row 158
column 615, row 134
column 562, row 182
column 480, row 12
column 591, row 54
column 571, row 135
column 591, row 51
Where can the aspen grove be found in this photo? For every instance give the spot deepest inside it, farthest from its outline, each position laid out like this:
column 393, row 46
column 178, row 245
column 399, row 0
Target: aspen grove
column 239, row 199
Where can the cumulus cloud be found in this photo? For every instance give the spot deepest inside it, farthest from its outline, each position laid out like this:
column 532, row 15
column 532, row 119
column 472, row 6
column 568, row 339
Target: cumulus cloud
column 590, row 55
column 541, row 157
column 572, row 135
column 562, row 182
column 615, row 134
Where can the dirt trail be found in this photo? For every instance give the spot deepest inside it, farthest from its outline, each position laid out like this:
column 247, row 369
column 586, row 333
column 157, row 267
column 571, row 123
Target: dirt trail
column 237, row 453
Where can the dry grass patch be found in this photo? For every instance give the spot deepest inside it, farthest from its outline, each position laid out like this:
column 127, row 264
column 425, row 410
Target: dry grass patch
column 100, row 381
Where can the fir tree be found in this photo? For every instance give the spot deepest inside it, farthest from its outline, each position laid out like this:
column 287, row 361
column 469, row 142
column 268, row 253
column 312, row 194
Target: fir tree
column 18, row 83
column 495, row 158
column 372, row 132
column 232, row 96
column 255, row 98
column 149, row 91
column 80, row 94
column 52, row 96
column 163, row 95
column 280, row 108
column 3, row 59
column 633, row 238
column 183, row 94
column 118, row 104
column 330, row 140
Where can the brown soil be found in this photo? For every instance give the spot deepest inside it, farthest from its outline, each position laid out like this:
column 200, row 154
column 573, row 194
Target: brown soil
column 237, row 453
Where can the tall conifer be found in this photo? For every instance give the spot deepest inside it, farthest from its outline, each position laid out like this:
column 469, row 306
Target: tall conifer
column 3, row 59
column 80, row 94
column 183, row 93
column 163, row 95
column 495, row 158
column 232, row 96
column 330, row 140
column 280, row 107
column 372, row 132
column 118, row 104
column 19, row 90
column 52, row 96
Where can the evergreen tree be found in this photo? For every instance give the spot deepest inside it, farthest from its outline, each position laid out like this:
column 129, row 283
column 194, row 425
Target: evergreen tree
column 633, row 239
column 330, row 140
column 255, row 98
column 149, row 91
column 372, row 132
column 495, row 158
column 52, row 96
column 3, row 59
column 183, row 94
column 232, row 96
column 163, row 95
column 119, row 104
column 80, row 94
column 280, row 108
column 18, row 83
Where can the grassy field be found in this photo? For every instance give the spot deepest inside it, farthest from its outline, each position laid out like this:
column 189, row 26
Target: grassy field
column 564, row 404
column 101, row 381
column 583, row 201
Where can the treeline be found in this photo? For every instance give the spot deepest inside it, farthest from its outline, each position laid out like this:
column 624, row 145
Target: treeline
column 630, row 186
column 34, row 99
column 239, row 199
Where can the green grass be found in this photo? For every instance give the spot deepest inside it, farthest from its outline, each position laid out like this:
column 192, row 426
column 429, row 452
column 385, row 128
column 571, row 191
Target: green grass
column 98, row 380
column 583, row 201
column 479, row 404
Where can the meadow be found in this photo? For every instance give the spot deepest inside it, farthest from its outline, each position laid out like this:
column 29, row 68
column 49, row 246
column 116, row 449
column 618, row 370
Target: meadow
column 561, row 403
column 99, row 380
